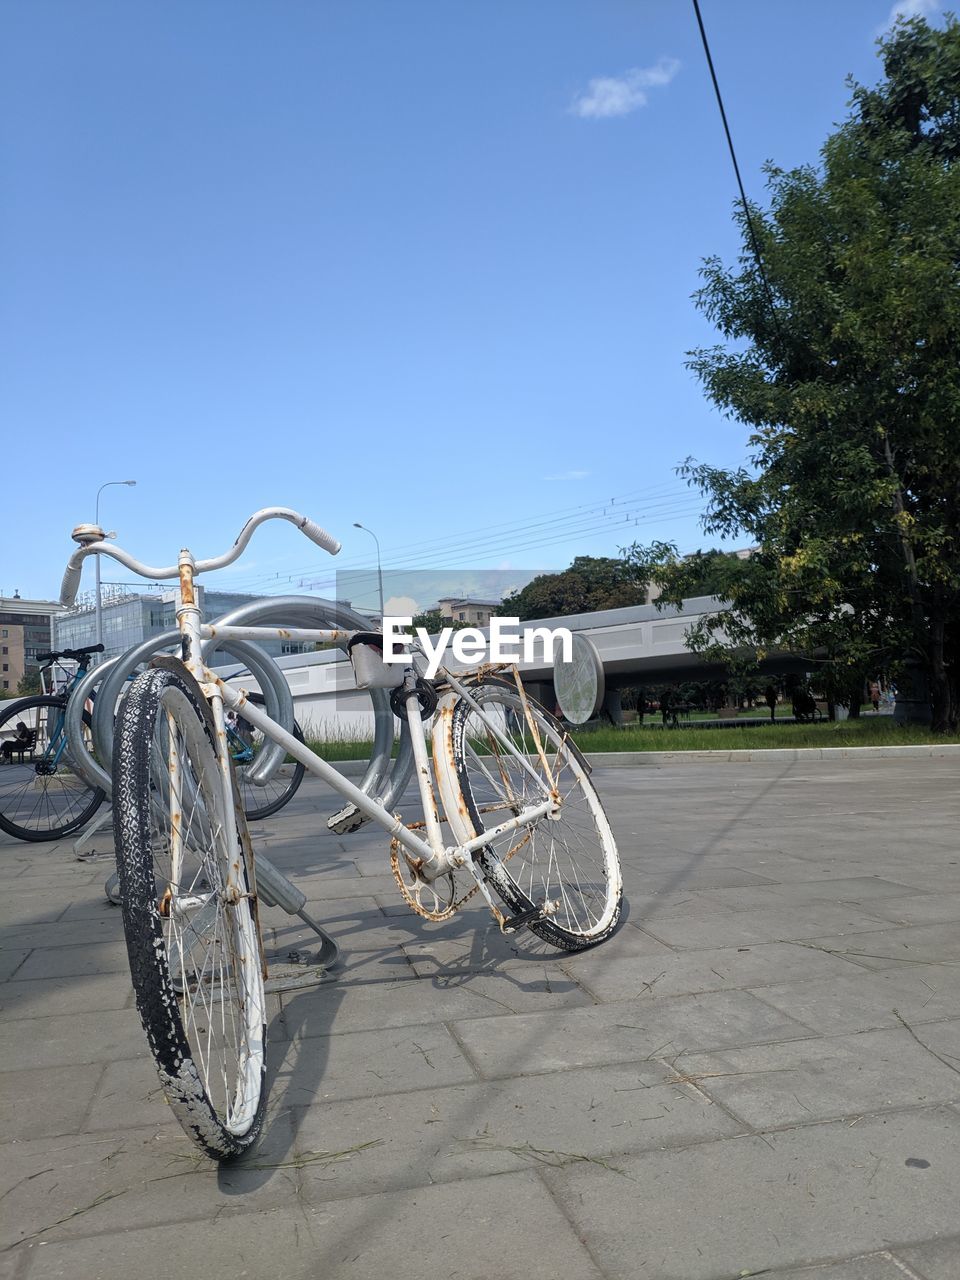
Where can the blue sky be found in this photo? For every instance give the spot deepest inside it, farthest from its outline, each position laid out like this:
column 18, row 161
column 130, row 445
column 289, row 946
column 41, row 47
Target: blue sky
column 426, row 266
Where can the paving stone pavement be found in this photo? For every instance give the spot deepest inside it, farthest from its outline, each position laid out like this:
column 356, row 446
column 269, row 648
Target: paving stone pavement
column 758, row 1074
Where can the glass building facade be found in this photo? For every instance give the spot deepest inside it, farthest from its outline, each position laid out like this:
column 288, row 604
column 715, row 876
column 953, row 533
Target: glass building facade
column 129, row 619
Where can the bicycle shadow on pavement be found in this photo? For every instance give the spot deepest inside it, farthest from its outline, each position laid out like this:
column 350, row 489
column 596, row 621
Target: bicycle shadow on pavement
column 298, row 1055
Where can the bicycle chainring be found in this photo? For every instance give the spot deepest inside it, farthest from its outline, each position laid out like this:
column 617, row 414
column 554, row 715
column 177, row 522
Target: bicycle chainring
column 433, row 899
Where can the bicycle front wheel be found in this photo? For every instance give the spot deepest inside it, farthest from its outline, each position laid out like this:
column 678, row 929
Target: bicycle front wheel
column 564, row 871
column 194, row 955
column 41, row 796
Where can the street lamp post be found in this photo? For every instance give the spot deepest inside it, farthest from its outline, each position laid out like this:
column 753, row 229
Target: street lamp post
column 98, row 606
column 358, row 525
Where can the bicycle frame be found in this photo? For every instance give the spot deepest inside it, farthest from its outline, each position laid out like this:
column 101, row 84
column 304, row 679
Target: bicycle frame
column 57, row 736
column 433, row 858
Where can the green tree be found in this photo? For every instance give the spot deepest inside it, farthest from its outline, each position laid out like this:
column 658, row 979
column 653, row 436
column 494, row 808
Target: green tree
column 591, row 582
column 843, row 356
column 434, row 622
column 29, row 683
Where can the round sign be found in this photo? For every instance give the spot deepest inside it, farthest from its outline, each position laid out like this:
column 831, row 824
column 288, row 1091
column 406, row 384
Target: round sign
column 579, row 683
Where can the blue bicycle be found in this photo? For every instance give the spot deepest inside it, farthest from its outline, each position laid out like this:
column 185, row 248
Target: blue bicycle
column 42, row 796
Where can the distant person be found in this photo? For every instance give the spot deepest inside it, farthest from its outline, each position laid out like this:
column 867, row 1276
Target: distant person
column 804, row 705
column 770, row 698
column 874, row 695
column 21, row 741
column 669, row 708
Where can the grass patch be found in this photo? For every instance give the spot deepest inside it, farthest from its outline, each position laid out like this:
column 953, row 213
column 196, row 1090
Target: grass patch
column 337, row 744
column 867, row 732
column 875, row 731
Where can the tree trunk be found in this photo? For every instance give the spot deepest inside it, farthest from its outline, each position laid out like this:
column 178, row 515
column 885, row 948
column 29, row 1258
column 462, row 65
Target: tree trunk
column 939, row 680
column 913, row 695
column 914, row 708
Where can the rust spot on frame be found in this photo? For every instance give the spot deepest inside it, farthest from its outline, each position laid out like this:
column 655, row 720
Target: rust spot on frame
column 186, row 585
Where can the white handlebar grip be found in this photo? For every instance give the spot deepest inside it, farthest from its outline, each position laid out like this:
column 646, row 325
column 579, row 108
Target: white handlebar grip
column 320, row 537
column 70, row 584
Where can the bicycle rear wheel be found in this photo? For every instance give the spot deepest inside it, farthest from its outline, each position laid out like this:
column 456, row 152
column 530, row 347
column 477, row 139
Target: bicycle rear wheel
column 194, row 957
column 569, row 864
column 41, row 796
column 262, row 802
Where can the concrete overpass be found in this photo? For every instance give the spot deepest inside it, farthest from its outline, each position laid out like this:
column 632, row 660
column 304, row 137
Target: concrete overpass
column 637, row 645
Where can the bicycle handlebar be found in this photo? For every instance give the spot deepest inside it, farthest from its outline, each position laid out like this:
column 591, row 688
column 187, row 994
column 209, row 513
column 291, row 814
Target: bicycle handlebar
column 76, row 655
column 71, row 577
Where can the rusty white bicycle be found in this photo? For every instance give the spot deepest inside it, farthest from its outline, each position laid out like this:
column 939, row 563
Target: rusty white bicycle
column 509, row 814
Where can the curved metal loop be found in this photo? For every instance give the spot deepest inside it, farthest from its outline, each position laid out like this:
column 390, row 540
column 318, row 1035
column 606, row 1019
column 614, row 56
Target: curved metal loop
column 384, row 778
column 278, row 701
column 90, row 770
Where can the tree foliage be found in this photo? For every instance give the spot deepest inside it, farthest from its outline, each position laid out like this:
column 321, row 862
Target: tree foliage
column 843, row 356
column 433, row 622
column 590, row 583
column 29, row 683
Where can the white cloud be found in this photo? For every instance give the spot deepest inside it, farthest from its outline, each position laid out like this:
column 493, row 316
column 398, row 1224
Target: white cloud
column 608, row 96
column 401, row 607
column 569, row 475
column 911, row 9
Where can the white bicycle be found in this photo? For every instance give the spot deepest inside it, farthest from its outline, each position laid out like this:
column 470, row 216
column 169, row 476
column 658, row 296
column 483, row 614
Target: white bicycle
column 509, row 813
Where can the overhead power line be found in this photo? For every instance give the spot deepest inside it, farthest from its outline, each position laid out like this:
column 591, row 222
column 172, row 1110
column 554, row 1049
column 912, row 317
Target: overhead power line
column 493, row 537
column 618, row 520
column 330, row 579
column 751, row 228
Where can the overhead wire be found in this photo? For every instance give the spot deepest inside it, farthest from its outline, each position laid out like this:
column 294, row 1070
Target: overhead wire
column 751, row 228
column 532, row 521
column 573, row 520
column 450, row 555
column 330, row 580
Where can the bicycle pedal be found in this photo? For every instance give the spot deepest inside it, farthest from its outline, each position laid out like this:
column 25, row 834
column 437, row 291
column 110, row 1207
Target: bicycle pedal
column 510, row 924
column 349, row 818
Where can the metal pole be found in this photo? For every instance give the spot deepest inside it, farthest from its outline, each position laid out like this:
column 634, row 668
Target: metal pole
column 357, row 525
column 98, row 605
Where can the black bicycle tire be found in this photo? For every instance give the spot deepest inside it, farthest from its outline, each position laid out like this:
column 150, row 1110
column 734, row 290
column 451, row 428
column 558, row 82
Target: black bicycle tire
column 156, row 994
column 17, row 709
column 267, row 811
column 498, row 877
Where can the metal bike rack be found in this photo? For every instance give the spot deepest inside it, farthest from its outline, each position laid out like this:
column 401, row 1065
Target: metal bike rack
column 112, row 676
column 384, row 778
